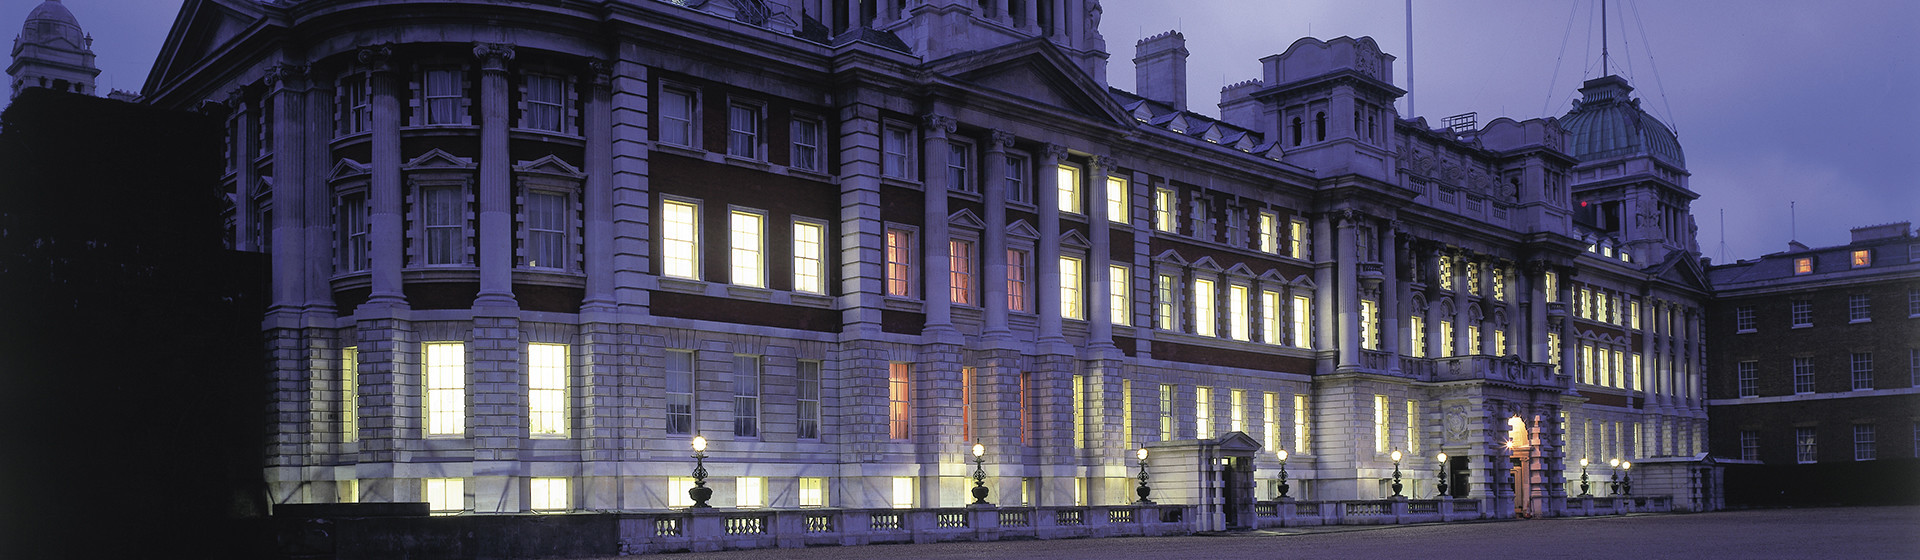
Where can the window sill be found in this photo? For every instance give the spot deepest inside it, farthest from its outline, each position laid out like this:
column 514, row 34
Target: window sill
column 809, row 174
column 747, row 162
column 677, row 149
column 904, row 183
column 1746, row 331
column 811, row 300
column 1803, row 326
column 897, row 303
column 749, row 292
column 682, row 285
column 1859, row 321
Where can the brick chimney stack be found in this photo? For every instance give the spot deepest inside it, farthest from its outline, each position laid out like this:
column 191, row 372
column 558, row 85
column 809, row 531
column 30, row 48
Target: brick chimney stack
column 1160, row 68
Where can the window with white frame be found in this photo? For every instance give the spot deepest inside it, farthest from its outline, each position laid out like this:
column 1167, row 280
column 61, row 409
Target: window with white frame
column 1269, row 227
column 1749, row 445
column 1857, row 309
column 1749, row 372
column 749, row 492
column 1164, row 304
column 446, row 393
column 1743, row 319
column 547, row 390
column 355, row 248
column 546, row 99
column 444, row 221
column 1297, row 239
column 677, row 116
column 1164, row 209
column 1117, row 195
column 1019, row 274
column 896, row 152
column 350, row 394
column 1913, row 302
column 1803, row 374
column 1016, row 180
column 960, row 272
column 444, row 495
column 902, row 492
column 746, row 396
column 1413, row 428
column 1369, row 325
column 809, row 257
column 1079, row 404
column 743, row 130
column 356, row 108
column 677, row 488
column 1446, row 339
column 1119, row 295
column 1069, row 183
column 1269, row 421
column 1302, row 322
column 548, row 493
column 680, row 387
column 1802, row 313
column 1203, row 412
column 960, row 167
column 1166, row 412
column 1302, row 425
column 813, row 492
column 1238, row 321
column 1072, row 280
column 1201, row 215
column 806, row 144
column 1380, row 426
column 1552, row 284
column 807, row 398
column 1270, row 317
column 1863, row 436
column 444, row 98
column 547, row 229
column 1444, row 274
column 1862, row 371
column 680, row 239
column 1237, row 410
column 1805, row 448
column 1203, row 312
column 1913, row 367
column 1417, row 336
column 899, row 262
column 899, row 401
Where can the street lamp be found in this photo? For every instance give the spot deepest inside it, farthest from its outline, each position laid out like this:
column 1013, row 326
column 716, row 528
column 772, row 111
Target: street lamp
column 700, row 492
column 1583, row 477
column 1626, row 480
column 1282, row 488
column 1396, row 473
column 1615, row 485
column 1143, row 490
column 980, row 475
column 1442, row 474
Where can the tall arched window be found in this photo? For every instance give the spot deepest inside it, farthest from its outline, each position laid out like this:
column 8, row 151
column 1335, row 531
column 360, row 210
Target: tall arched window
column 1296, row 131
column 1320, row 126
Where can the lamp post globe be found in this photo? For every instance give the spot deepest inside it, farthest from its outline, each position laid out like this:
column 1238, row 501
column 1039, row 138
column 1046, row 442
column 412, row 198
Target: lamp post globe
column 1614, row 484
column 980, row 475
column 700, row 493
column 1441, row 476
column 1281, row 489
column 1396, row 473
column 1626, row 479
column 1583, row 477
column 1143, row 490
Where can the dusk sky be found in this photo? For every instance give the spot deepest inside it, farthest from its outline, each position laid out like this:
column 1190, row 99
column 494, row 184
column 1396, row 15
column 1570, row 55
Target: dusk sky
column 1775, row 101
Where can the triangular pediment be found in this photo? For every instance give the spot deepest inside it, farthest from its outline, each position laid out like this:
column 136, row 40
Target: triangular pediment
column 1074, row 240
column 1240, row 269
column 439, row 159
column 1170, row 256
column 1272, row 275
column 550, row 165
column 1020, row 229
column 1207, row 263
column 965, row 219
column 1035, row 70
column 347, row 168
column 1681, row 268
column 1237, row 441
column 1304, row 281
column 202, row 29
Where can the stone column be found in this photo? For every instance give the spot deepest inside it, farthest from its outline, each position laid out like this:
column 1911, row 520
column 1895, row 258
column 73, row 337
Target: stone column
column 246, row 145
column 1348, row 283
column 385, row 223
column 1047, row 255
column 993, row 242
column 1537, row 312
column 286, row 94
column 498, row 392
column 1390, row 293
column 496, row 177
column 598, row 198
column 1487, row 325
column 1099, row 227
column 938, row 281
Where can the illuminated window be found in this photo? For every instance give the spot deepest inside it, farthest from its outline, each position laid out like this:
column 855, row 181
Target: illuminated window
column 902, row 492
column 749, row 492
column 1238, row 321
column 1119, row 295
column 1417, row 336
column 1635, row 373
column 807, row 391
column 1633, row 313
column 1803, row 265
column 1203, row 307
column 546, row 99
column 444, row 219
column 1016, row 180
column 1553, row 350
column 1128, row 439
column 1863, row 437
column 1301, row 435
column 348, row 491
column 1862, row 371
column 676, row 117
column 809, row 269
column 1446, row 339
column 1269, row 226
column 1473, row 278
column 1270, row 316
column 1203, row 412
column 1069, row 189
column 1117, row 199
column 350, row 394
column 1079, row 412
column 1553, row 287
column 1862, row 258
column 899, row 262
column 1165, row 209
column 1857, row 309
column 1297, row 239
column 1586, row 304
column 547, row 390
column 813, row 492
column 1413, row 428
column 446, row 381
column 749, row 235
column 1071, row 304
column 1017, row 267
column 1237, row 410
column 898, row 401
column 445, row 495
column 1473, row 340
column 743, row 131
column 960, row 271
column 444, row 98
column 960, row 167
column 1164, row 304
column 1499, row 342
column 1302, row 322
column 677, row 488
column 746, row 396
column 546, row 220
column 1743, row 320
column 1369, row 325
column 1749, row 445
column 679, row 373
column 1500, row 284
column 1749, row 373
column 355, row 250
column 1445, row 274
column 680, row 239
column 1805, row 447
column 896, row 157
column 1803, row 375
column 806, row 145
column 549, row 493
column 1802, row 313
column 1379, row 423
column 1026, row 408
column 1166, row 412
column 1269, row 422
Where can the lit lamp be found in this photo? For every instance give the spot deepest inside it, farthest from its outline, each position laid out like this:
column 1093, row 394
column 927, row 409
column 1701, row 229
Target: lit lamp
column 1615, row 463
column 1583, row 477
column 1626, row 480
column 1396, row 473
column 700, row 492
column 1143, row 490
column 1282, row 488
column 980, row 475
column 1442, row 474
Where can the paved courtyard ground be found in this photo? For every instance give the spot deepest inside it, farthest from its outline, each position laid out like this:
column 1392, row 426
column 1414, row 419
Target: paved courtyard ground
column 1819, row 533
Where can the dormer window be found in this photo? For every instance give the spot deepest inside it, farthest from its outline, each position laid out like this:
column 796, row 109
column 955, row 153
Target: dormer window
column 1802, row 265
column 1862, row 258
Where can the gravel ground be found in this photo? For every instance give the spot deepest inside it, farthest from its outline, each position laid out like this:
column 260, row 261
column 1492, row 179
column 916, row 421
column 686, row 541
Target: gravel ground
column 1820, row 533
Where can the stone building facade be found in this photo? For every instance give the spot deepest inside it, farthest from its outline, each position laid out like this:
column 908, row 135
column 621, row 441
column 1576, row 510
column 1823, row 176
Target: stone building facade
column 52, row 52
column 524, row 252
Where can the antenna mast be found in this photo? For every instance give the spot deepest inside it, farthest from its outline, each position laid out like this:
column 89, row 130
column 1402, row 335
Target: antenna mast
column 1604, row 65
column 1723, row 235
column 1793, row 221
column 1410, row 113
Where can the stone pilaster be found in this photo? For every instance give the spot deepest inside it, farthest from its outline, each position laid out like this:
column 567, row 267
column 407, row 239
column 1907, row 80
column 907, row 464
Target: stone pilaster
column 386, row 222
column 389, row 401
column 993, row 246
column 631, row 199
column 496, row 178
column 1347, row 262
column 935, row 262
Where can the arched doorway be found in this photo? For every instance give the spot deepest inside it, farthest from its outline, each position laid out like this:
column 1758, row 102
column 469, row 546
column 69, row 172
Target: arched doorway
column 1520, row 452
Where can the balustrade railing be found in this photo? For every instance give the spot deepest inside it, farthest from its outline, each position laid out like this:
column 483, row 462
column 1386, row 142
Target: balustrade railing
column 715, row 529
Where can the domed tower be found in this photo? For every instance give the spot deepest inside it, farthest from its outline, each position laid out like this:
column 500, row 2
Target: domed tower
column 1630, row 192
column 52, row 52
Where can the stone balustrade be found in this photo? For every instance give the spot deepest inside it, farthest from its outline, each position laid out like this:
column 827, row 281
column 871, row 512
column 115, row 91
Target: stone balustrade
column 730, row 529
column 1291, row 513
